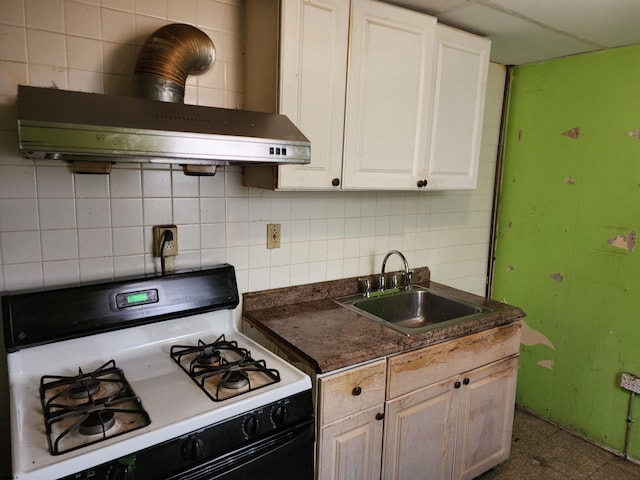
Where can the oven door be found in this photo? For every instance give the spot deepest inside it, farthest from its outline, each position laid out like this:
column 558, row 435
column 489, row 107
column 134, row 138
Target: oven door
column 288, row 454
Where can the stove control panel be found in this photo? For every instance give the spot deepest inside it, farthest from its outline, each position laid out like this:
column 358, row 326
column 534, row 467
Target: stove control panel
column 206, row 446
column 264, row 420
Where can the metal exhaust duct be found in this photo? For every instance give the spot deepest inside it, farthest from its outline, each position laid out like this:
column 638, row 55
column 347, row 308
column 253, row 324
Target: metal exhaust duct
column 167, row 58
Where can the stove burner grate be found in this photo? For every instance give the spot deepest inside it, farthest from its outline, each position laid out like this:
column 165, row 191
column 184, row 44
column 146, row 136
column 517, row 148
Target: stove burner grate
column 233, row 373
column 90, row 407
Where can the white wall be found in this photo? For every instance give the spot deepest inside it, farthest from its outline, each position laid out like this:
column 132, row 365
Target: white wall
column 59, row 228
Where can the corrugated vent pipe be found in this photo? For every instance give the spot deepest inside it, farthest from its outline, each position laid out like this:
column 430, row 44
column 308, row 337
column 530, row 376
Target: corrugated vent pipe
column 167, row 58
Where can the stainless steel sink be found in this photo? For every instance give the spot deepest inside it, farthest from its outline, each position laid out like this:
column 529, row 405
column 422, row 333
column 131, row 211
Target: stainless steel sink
column 413, row 311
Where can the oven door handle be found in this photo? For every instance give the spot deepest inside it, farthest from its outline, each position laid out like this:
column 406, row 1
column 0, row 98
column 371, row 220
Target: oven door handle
column 295, row 445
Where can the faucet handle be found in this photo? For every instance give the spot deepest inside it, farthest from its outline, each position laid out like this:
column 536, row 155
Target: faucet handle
column 394, row 280
column 382, row 282
column 364, row 285
column 408, row 279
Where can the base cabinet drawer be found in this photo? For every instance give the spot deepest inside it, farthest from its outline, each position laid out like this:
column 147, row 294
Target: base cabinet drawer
column 419, row 368
column 351, row 391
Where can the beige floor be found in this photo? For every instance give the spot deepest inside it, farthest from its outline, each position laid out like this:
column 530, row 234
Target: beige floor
column 542, row 451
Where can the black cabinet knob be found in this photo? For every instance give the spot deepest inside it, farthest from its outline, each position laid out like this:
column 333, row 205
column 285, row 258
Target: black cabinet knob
column 379, row 416
column 457, row 385
column 422, row 183
column 335, row 182
column 356, row 391
column 466, row 381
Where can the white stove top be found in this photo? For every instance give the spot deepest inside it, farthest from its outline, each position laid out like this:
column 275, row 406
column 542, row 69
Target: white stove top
column 175, row 404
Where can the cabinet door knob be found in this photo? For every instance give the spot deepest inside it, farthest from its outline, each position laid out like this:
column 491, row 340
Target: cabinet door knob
column 335, row 182
column 379, row 416
column 422, row 183
column 466, row 381
column 457, row 385
column 356, row 391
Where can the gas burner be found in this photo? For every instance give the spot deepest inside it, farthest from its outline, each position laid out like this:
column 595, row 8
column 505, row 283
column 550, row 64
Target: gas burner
column 209, row 356
column 89, row 407
column 234, row 379
column 234, row 373
column 97, row 422
column 83, row 388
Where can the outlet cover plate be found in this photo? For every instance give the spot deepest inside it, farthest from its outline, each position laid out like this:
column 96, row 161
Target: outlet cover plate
column 273, row 235
column 171, row 246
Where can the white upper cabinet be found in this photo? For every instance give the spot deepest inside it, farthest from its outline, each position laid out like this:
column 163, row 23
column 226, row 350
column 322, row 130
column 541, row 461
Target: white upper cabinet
column 358, row 78
column 313, row 62
column 388, row 105
column 462, row 64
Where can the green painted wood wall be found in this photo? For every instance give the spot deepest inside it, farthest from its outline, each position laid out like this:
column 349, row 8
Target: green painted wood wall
column 567, row 252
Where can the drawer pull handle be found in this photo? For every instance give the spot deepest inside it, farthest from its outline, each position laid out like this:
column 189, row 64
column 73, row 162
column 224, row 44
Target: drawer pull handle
column 457, row 385
column 356, row 391
column 466, row 381
column 379, row 416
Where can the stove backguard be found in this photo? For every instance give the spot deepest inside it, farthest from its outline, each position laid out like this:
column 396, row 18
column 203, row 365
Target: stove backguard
column 35, row 318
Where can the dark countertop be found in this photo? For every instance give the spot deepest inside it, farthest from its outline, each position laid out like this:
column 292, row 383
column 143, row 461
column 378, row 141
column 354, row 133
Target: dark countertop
column 306, row 323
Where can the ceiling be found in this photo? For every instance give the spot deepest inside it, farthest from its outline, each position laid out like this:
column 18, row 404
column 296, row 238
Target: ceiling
column 527, row 31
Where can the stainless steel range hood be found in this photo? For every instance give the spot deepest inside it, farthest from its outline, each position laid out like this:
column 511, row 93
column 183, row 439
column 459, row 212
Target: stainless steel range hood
column 67, row 125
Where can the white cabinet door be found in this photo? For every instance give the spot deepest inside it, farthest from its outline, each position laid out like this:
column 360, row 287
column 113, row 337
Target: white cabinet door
column 351, row 448
column 455, row 429
column 314, row 41
column 462, row 64
column 419, row 436
column 388, row 107
column 485, row 416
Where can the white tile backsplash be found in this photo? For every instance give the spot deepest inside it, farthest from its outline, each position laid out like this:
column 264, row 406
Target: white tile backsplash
column 82, row 19
column 59, row 245
column 13, row 12
column 55, row 182
column 182, row 11
column 93, row 212
column 95, row 242
column 13, row 44
column 20, row 247
column 102, row 224
column 18, row 214
column 84, row 54
column 126, row 212
column 45, row 14
column 128, row 241
column 46, row 48
column 157, row 211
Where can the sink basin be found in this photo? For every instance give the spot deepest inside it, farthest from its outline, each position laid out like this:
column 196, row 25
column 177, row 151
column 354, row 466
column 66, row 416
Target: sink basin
column 414, row 311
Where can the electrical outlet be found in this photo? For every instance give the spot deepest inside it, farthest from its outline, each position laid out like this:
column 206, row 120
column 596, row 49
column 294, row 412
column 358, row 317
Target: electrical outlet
column 170, row 246
column 273, row 235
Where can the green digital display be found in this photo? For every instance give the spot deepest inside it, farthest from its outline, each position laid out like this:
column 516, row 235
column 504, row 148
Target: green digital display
column 137, row 297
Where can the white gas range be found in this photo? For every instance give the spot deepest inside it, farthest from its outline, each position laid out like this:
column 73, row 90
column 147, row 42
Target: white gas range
column 149, row 378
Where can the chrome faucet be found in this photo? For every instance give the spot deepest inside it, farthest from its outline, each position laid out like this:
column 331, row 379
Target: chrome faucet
column 408, row 274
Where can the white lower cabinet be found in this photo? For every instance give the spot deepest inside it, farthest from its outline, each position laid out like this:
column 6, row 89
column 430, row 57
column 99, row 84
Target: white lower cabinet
column 420, row 434
column 455, row 429
column 351, row 448
column 446, row 411
column 350, row 423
